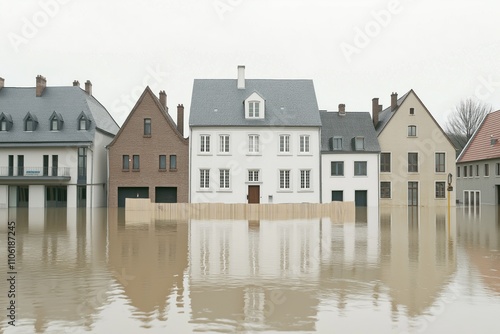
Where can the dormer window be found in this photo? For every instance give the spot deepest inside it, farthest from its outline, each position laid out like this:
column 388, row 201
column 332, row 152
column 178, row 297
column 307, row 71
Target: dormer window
column 55, row 122
column 254, row 107
column 83, row 122
column 30, row 122
column 359, row 143
column 5, row 122
column 337, row 143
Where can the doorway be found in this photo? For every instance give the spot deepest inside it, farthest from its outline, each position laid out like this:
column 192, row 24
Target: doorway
column 361, row 198
column 253, row 194
column 413, row 193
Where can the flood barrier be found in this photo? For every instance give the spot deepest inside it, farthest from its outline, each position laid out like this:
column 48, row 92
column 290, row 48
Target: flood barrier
column 138, row 209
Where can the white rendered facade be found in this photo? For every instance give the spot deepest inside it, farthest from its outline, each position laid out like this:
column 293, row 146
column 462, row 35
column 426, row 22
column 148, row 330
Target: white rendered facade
column 284, row 170
column 349, row 183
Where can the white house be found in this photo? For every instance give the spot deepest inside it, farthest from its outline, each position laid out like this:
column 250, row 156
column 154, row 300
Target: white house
column 349, row 158
column 52, row 146
column 254, row 141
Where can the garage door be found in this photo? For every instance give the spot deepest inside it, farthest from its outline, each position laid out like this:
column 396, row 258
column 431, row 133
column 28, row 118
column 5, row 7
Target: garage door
column 131, row 192
column 166, row 194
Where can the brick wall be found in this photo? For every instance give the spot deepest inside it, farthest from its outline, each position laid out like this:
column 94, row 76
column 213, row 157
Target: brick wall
column 164, row 140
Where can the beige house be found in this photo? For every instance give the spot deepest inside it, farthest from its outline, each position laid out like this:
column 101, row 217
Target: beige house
column 416, row 155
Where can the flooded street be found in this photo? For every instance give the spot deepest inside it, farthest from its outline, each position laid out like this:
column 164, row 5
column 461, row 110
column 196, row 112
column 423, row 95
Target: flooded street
column 395, row 271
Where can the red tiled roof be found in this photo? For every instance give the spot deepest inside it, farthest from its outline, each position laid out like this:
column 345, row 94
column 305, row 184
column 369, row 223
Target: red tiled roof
column 480, row 146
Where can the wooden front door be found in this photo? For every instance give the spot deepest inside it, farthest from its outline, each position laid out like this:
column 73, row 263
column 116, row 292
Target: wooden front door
column 253, row 194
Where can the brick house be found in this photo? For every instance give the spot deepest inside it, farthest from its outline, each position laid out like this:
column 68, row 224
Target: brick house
column 149, row 156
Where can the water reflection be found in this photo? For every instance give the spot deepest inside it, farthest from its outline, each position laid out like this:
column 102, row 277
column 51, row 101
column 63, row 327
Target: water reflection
column 101, row 271
column 60, row 262
column 148, row 259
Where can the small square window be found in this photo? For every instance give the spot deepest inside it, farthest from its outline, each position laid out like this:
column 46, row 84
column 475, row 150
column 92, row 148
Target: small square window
column 385, row 189
column 337, row 168
column 360, row 168
column 359, row 143
column 440, row 190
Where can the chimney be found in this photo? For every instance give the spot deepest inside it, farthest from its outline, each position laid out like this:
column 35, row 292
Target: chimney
column 241, row 77
column 76, row 83
column 2, row 82
column 375, row 110
column 88, row 87
column 41, row 83
column 341, row 109
column 394, row 101
column 180, row 118
column 163, row 100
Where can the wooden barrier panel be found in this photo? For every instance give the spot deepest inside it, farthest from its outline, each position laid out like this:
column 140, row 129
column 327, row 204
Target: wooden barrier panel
column 140, row 209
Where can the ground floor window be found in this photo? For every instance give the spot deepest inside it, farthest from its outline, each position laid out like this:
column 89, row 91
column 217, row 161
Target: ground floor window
column 56, row 196
column 337, row 195
column 385, row 189
column 472, row 197
column 440, row 190
column 81, row 196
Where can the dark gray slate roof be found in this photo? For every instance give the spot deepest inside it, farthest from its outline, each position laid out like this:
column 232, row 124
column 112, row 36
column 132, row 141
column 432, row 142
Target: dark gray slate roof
column 68, row 102
column 352, row 124
column 288, row 103
column 385, row 115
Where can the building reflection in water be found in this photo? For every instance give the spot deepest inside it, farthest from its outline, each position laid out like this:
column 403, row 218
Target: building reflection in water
column 239, row 275
column 147, row 259
column 61, row 255
column 479, row 234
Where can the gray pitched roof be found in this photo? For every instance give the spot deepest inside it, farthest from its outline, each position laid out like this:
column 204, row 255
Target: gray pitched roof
column 288, row 103
column 68, row 102
column 385, row 115
column 348, row 126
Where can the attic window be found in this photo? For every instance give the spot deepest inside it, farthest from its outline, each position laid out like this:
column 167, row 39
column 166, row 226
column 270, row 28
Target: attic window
column 5, row 122
column 55, row 122
column 30, row 123
column 254, row 109
column 335, row 143
column 412, row 111
column 493, row 141
column 83, row 122
column 359, row 143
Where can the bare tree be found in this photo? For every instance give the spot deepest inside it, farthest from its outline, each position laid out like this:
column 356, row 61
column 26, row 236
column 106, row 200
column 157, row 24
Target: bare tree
column 465, row 120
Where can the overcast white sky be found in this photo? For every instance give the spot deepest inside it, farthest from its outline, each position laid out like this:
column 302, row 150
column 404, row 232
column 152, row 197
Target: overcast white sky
column 354, row 50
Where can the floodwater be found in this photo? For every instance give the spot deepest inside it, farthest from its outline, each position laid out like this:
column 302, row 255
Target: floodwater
column 393, row 271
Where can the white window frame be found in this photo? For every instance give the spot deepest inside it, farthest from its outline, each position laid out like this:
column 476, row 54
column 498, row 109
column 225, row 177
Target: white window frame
column 343, row 168
column 253, row 144
column 204, row 181
column 224, row 179
column 304, row 144
column 224, row 144
column 54, row 121
column 286, row 174
column 205, row 144
column 252, row 111
column 285, row 140
column 253, row 172
column 305, row 180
